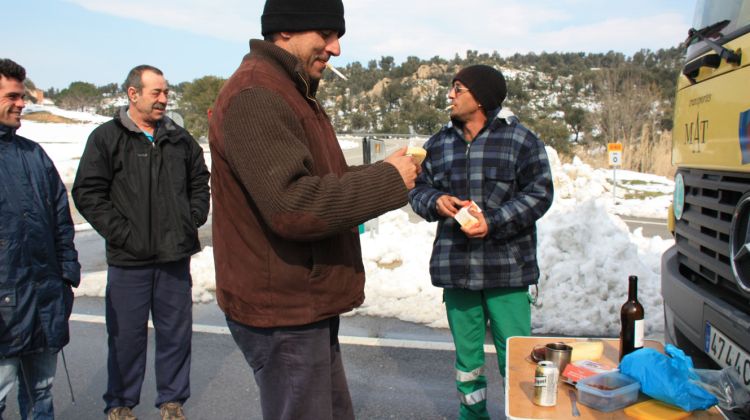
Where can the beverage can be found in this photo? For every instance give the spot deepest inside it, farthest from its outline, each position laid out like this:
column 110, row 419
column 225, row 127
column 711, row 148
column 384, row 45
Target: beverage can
column 545, row 384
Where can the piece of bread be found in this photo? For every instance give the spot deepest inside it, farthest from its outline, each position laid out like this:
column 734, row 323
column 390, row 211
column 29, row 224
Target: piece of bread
column 417, row 153
column 586, row 350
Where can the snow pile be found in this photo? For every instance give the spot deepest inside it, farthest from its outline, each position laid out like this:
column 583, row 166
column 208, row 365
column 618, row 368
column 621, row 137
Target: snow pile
column 64, row 143
column 579, row 182
column 349, row 142
column 585, row 271
column 203, row 274
column 396, row 257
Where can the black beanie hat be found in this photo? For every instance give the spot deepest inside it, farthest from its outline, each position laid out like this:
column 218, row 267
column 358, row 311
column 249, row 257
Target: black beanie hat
column 302, row 15
column 486, row 84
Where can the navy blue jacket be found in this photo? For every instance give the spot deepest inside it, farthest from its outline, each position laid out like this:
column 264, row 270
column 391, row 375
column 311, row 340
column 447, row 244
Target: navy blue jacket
column 38, row 260
column 505, row 170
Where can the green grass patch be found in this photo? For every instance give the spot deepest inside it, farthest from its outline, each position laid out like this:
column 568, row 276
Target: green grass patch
column 641, row 195
column 46, row 117
column 638, row 182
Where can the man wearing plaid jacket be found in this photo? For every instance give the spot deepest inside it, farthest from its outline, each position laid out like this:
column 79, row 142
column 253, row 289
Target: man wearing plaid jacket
column 486, row 267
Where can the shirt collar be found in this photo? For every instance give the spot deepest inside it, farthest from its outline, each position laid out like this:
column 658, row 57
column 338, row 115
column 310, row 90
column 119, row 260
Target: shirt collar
column 6, row 132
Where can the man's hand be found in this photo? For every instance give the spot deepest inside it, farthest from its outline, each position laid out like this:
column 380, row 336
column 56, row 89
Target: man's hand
column 448, row 205
column 478, row 229
column 405, row 166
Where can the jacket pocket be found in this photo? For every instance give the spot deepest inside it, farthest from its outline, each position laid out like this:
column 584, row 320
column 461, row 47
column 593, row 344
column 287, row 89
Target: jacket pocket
column 515, row 251
column 7, row 298
column 137, row 243
column 120, row 240
column 499, row 186
column 8, row 301
column 175, row 160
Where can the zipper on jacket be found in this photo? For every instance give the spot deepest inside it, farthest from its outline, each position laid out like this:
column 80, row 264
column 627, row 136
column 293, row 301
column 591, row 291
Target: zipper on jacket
column 153, row 159
column 468, row 190
column 307, row 91
column 151, row 246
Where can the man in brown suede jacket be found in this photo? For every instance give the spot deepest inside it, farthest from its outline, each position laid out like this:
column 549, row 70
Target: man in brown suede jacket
column 285, row 212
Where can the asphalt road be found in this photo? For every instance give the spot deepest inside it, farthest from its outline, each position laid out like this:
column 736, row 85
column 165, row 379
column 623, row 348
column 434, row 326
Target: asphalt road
column 392, row 370
column 651, row 227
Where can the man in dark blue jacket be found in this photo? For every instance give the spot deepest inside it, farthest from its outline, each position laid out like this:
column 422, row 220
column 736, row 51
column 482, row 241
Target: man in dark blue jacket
column 38, row 260
column 488, row 158
column 143, row 185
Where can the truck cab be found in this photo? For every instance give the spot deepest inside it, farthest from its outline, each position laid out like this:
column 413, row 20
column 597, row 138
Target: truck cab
column 706, row 274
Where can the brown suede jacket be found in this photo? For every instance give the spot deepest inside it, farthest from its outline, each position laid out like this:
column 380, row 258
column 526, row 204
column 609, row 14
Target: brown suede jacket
column 285, row 204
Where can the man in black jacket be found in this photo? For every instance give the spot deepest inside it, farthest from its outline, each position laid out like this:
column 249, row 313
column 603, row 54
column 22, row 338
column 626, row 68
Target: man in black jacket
column 142, row 183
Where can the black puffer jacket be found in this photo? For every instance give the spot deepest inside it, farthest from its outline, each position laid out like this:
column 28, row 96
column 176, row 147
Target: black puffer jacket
column 146, row 199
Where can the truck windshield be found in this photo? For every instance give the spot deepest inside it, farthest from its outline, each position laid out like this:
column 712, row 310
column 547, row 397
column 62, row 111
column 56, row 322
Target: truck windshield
column 709, row 12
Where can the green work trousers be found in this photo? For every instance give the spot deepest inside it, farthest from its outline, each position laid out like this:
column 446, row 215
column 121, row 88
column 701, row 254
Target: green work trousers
column 509, row 313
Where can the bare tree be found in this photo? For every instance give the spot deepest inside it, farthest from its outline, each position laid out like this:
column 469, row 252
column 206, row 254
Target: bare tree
column 628, row 113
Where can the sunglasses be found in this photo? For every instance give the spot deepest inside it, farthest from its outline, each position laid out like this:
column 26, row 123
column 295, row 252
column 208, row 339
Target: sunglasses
column 457, row 89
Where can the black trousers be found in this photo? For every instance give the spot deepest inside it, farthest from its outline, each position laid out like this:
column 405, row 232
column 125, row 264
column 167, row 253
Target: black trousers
column 298, row 370
column 164, row 290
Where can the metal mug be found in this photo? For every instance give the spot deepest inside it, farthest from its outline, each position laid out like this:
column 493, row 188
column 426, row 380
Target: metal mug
column 559, row 354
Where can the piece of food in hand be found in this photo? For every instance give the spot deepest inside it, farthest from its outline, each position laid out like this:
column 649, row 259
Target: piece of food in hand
column 417, row 153
column 586, row 350
column 464, row 218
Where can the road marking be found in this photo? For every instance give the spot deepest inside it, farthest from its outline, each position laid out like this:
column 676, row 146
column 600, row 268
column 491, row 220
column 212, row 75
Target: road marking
column 81, row 227
column 343, row 339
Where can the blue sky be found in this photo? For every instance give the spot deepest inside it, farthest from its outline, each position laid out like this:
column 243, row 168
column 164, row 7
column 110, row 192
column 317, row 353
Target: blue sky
column 98, row 41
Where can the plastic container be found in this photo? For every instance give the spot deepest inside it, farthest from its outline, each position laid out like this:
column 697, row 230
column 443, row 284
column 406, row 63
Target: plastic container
column 608, row 391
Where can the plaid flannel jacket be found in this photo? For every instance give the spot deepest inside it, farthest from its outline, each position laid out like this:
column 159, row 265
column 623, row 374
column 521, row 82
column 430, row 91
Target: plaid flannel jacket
column 505, row 170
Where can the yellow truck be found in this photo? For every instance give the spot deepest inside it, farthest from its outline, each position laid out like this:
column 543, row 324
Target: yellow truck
column 706, row 274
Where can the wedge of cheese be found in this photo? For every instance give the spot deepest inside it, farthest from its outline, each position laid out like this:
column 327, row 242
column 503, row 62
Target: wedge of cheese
column 417, row 153
column 586, row 350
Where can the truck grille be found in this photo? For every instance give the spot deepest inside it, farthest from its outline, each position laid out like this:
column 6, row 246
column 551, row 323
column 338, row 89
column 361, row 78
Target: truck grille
column 702, row 234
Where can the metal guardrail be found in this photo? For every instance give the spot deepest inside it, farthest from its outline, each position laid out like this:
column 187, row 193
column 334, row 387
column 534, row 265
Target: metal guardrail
column 374, row 147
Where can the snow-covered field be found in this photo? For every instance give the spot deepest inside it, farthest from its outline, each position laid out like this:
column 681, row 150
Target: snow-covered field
column 586, row 251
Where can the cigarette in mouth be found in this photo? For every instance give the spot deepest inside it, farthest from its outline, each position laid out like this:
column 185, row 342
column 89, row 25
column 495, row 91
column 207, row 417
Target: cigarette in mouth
column 449, row 107
column 333, row 69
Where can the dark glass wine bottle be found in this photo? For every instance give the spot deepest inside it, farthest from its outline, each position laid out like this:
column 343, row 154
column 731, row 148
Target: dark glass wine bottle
column 631, row 320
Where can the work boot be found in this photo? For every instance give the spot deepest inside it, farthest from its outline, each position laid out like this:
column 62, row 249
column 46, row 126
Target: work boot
column 120, row 413
column 172, row 411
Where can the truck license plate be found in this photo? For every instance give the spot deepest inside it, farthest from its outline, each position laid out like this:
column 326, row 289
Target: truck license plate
column 727, row 353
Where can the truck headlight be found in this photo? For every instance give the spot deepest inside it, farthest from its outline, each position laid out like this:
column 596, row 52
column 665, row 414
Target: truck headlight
column 678, row 199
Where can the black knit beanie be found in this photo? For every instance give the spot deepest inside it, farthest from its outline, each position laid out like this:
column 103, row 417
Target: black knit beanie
column 302, row 15
column 486, row 84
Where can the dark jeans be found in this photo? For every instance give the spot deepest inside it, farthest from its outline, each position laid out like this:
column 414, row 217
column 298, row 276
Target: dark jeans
column 164, row 290
column 298, row 370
